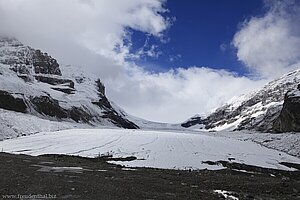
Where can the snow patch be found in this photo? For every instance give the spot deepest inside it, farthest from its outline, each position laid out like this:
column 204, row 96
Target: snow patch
column 226, row 194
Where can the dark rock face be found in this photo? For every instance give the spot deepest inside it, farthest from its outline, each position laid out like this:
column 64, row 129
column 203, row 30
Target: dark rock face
column 68, row 85
column 48, row 106
column 109, row 112
column 55, row 81
column 20, row 69
column 193, row 121
column 100, row 87
column 119, row 120
column 263, row 124
column 65, row 90
column 44, row 64
column 25, row 78
column 80, row 115
column 9, row 102
column 289, row 118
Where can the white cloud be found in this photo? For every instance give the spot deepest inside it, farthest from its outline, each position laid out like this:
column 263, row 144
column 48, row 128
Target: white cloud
column 94, row 34
column 270, row 44
column 178, row 94
column 98, row 25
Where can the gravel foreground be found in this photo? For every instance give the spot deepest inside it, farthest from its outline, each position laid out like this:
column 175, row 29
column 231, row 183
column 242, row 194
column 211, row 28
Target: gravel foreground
column 72, row 177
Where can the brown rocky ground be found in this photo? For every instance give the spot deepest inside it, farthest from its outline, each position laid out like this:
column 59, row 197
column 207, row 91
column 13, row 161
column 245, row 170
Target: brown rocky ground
column 28, row 175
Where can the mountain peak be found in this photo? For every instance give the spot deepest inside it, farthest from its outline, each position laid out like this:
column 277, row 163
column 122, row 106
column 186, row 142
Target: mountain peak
column 9, row 41
column 23, row 58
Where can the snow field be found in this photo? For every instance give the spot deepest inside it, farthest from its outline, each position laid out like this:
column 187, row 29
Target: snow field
column 158, row 149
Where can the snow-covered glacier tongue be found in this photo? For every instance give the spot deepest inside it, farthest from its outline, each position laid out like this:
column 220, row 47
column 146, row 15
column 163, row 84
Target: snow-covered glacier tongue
column 157, row 149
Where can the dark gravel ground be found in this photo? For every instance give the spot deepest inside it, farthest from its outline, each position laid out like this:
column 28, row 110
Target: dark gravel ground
column 28, row 175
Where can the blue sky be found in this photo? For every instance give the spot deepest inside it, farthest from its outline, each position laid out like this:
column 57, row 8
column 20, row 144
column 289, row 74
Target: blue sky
column 197, row 34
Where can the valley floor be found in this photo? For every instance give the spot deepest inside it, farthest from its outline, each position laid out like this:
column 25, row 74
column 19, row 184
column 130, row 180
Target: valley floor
column 69, row 177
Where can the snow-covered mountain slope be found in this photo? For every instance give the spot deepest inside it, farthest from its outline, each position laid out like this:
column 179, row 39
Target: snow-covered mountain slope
column 32, row 82
column 285, row 142
column 255, row 111
column 159, row 149
column 14, row 124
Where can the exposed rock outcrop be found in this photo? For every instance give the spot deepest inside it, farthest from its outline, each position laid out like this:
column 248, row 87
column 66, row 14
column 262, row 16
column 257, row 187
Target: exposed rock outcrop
column 289, row 118
column 55, row 81
column 44, row 64
column 109, row 111
column 193, row 121
column 48, row 106
column 9, row 102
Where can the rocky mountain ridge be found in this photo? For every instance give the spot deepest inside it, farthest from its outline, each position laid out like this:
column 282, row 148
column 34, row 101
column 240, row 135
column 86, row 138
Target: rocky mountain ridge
column 257, row 111
column 33, row 82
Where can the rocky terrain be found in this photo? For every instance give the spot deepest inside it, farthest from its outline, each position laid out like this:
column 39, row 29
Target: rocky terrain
column 72, row 177
column 32, row 82
column 265, row 110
